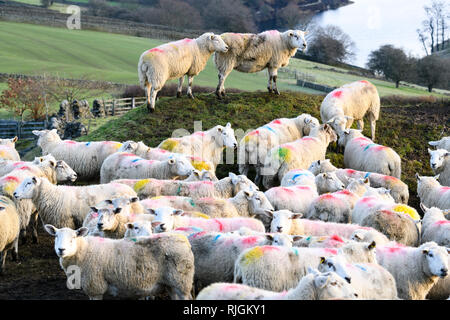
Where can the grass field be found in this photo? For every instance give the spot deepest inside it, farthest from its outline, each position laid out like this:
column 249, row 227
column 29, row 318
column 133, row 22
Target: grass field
column 34, row 49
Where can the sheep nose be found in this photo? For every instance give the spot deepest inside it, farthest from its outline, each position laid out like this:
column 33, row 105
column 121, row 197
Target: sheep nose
column 444, row 272
column 348, row 279
column 100, row 226
column 235, row 145
column 61, row 251
column 304, row 45
column 15, row 195
column 227, row 47
column 279, row 229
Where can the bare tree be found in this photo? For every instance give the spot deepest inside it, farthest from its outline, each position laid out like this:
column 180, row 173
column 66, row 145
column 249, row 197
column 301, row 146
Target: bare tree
column 435, row 24
column 423, row 38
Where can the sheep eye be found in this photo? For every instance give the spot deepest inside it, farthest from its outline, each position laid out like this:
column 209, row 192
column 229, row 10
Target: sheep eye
column 330, row 265
column 431, row 255
column 136, row 228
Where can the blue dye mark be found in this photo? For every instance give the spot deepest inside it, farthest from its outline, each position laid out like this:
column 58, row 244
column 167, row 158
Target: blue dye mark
column 361, row 267
column 300, row 174
column 308, row 239
column 217, row 237
column 88, row 143
column 136, row 160
column 367, row 175
column 369, row 146
column 269, row 128
column 295, row 251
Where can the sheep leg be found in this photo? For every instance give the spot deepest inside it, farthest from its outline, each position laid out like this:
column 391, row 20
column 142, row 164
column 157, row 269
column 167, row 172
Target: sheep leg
column 149, row 87
column 34, row 225
column 189, row 89
column 3, row 260
column 153, row 93
column 180, row 86
column 360, row 124
column 220, row 90
column 15, row 252
column 274, row 74
column 373, row 122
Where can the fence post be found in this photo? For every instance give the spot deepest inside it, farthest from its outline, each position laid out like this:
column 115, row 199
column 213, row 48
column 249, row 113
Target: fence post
column 113, row 106
column 132, row 103
column 19, row 129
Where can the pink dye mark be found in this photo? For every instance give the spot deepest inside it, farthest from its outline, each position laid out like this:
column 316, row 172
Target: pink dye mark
column 95, row 215
column 330, row 251
column 337, row 94
column 327, row 196
column 362, row 139
column 231, row 287
column 308, row 139
column 253, row 133
column 369, row 201
column 276, row 122
column 365, row 81
column 24, row 168
column 10, row 178
column 219, row 223
column 392, row 249
column 199, row 133
column 100, row 239
column 388, row 212
column 269, row 248
column 127, row 155
column 273, row 32
column 287, row 190
column 378, row 148
column 345, row 192
column 303, row 187
column 390, row 178
column 444, row 189
column 441, row 222
column 155, row 50
column 336, row 238
column 187, row 40
column 289, row 146
column 70, row 142
column 160, row 150
column 198, row 234
column 19, row 163
column 350, row 171
column 250, row 240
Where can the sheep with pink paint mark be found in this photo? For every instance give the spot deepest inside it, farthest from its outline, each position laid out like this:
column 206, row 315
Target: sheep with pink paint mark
column 443, row 143
column 296, row 199
column 374, row 199
column 254, row 146
column 298, row 154
column 397, row 188
column 313, row 286
column 8, row 149
column 416, row 270
column 351, row 102
column 440, row 164
column 280, row 268
column 432, row 193
column 122, row 165
column 85, row 158
column 363, row 154
column 369, row 235
column 435, row 227
column 333, row 241
column 174, row 60
column 337, row 206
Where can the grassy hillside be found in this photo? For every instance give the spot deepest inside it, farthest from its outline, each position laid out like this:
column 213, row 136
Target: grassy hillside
column 406, row 129
column 34, row 49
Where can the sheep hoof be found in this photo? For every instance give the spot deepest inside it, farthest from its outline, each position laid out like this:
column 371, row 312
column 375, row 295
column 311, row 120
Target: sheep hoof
column 190, row 95
column 269, row 89
column 178, row 94
column 276, row 91
column 218, row 94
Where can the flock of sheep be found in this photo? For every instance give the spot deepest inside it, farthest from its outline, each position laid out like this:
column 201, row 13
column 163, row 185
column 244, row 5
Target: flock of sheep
column 160, row 224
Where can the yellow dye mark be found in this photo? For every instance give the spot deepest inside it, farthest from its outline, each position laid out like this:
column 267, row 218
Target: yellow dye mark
column 10, row 187
column 407, row 210
column 118, row 145
column 197, row 214
column 169, row 144
column 155, row 198
column 200, row 165
column 284, row 154
column 140, row 184
column 252, row 255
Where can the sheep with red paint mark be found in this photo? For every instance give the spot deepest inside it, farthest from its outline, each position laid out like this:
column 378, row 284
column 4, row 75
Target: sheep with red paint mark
column 251, row 53
column 443, row 143
column 435, row 227
column 440, row 164
column 298, row 154
column 369, row 235
column 174, row 60
column 416, row 270
column 351, row 102
column 363, row 154
column 254, row 146
column 296, row 199
column 8, row 149
column 122, row 165
column 333, row 241
column 280, row 268
column 85, row 158
column 432, row 193
column 372, row 200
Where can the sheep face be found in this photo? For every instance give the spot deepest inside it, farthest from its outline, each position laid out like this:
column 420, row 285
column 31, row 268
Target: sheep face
column 331, row 286
column 215, row 42
column 296, row 39
column 437, row 158
column 128, row 146
column 138, row 229
column 257, row 200
column 358, row 186
column 46, row 135
column 8, row 142
column 435, row 259
column 164, row 218
column 282, row 240
column 282, row 221
column 65, row 239
column 27, row 188
column 315, row 167
column 328, row 182
column 180, row 166
column 64, row 172
column 335, row 264
column 225, row 136
column 310, row 123
column 361, row 250
column 241, row 182
column 48, row 157
column 107, row 218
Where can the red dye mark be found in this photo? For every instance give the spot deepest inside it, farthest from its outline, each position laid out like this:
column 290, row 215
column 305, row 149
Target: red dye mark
column 363, row 139
column 19, row 163
column 441, row 222
column 10, row 178
column 303, row 187
column 155, row 50
column 161, row 150
column 70, row 142
column 127, row 155
column 388, row 212
column 254, row 132
column 95, row 215
column 330, row 251
column 327, row 197
column 308, row 139
column 365, row 81
column 198, row 234
column 337, row 94
column 276, row 121
column 24, row 168
column 287, row 190
column 379, row 148
column 392, row 249
column 269, row 248
column 150, row 161
column 187, row 40
column 289, row 146
column 367, row 200
column 345, row 192
column 390, row 178
column 199, row 133
column 250, row 240
column 350, row 171
column 444, row 189
column 219, row 223
column 336, row 238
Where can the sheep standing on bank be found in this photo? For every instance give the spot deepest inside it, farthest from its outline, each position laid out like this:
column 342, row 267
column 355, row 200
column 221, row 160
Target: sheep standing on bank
column 444, row 143
column 298, row 154
column 363, row 154
column 127, row 269
column 206, row 145
column 251, row 53
column 9, row 230
column 435, row 227
column 440, row 163
column 313, row 286
column 415, row 270
column 432, row 193
column 8, row 149
column 351, row 102
column 174, row 60
column 67, row 206
column 127, row 165
column 85, row 158
column 254, row 145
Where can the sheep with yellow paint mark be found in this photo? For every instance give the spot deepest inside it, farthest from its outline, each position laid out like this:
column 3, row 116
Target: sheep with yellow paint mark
column 8, row 149
column 174, row 60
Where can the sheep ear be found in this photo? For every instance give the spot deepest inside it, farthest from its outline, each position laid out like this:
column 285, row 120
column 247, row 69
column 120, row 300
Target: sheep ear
column 171, row 161
column 212, row 37
column 446, row 154
column 366, row 180
column 155, row 223
column 36, row 133
column 178, row 212
column 54, row 131
column 196, row 173
column 430, row 151
column 234, row 178
column 358, row 236
column 417, row 176
column 322, row 260
column 13, row 140
column 52, row 163
column 228, row 125
column 312, row 270
column 134, row 199
column 94, row 209
column 34, row 180
column 269, row 237
column 129, row 225
column 372, row 245
column 248, row 194
column 108, row 201
column 219, row 128
column 291, row 34
column 117, row 210
column 296, row 238
column 425, row 251
column 423, row 207
column 151, row 211
column 51, row 229
column 321, row 281
column 296, row 216
column 433, row 143
column 82, row 232
column 437, row 176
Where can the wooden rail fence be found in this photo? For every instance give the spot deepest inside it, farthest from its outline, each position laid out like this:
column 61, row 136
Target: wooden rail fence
column 23, row 130
column 114, row 107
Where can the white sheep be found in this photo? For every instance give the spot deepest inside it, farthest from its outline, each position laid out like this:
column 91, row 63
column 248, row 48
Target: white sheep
column 363, row 154
column 174, row 60
column 441, row 290
column 254, row 146
column 398, row 189
column 337, row 206
column 124, row 268
column 313, row 286
column 415, row 270
column 138, row 229
column 370, row 280
column 298, row 177
column 167, row 219
column 444, row 143
column 9, row 230
column 255, row 52
column 372, row 200
column 369, row 235
column 440, row 163
column 351, row 102
column 67, row 206
column 431, row 193
column 298, row 154
column 206, row 145
column 127, row 165
column 279, row 268
column 85, row 158
column 296, row 199
column 435, row 227
column 8, row 149
column 333, row 241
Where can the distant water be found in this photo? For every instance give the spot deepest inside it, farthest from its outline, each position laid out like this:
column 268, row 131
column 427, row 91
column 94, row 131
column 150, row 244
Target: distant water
column 372, row 23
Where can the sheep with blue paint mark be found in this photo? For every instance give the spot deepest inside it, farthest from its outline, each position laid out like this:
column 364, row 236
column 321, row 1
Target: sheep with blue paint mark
column 440, row 164
column 122, row 165
column 8, row 149
column 363, row 154
column 297, row 177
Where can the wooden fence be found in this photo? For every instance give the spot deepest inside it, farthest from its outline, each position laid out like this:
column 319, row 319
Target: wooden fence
column 114, row 107
column 23, row 130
